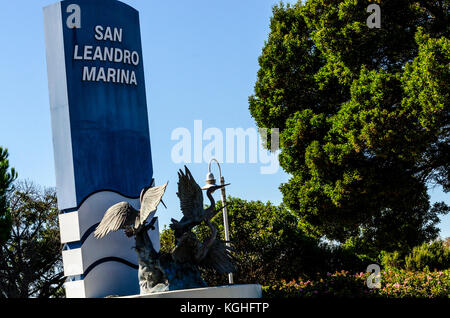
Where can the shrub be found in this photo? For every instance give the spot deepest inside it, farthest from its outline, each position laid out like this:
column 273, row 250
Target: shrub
column 339, row 284
column 408, row 284
column 433, row 256
column 394, row 284
column 391, row 260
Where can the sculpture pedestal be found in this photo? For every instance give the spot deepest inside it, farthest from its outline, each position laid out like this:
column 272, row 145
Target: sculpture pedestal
column 232, row 291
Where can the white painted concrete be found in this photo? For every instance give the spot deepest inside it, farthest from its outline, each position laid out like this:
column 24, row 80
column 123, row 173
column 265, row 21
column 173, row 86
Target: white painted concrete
column 232, row 291
column 69, row 227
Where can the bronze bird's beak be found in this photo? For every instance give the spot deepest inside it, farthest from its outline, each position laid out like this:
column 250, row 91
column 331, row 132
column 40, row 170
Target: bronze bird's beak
column 217, row 187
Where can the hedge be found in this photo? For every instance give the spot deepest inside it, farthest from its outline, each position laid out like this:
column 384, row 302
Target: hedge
column 394, row 284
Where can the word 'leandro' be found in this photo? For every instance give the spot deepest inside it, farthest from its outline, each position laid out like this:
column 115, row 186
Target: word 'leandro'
column 107, row 54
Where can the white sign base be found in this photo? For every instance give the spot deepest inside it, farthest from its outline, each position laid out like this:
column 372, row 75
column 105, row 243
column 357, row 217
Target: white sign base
column 231, row 291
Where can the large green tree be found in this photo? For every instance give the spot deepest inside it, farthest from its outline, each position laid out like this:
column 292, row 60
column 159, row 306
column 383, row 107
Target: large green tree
column 7, row 177
column 363, row 115
column 30, row 260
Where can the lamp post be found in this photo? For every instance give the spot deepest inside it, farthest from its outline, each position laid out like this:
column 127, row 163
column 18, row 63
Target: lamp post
column 211, row 181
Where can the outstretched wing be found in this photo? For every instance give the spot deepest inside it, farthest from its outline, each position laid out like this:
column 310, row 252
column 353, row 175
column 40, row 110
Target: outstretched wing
column 150, row 201
column 190, row 195
column 219, row 258
column 117, row 217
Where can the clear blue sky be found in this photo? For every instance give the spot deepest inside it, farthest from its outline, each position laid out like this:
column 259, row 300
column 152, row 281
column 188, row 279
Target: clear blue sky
column 201, row 60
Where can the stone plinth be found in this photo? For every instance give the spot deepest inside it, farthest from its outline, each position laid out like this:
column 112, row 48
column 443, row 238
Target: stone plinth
column 232, row 291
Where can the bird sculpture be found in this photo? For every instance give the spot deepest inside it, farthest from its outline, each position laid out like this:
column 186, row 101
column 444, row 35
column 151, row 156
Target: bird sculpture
column 178, row 269
column 122, row 216
column 211, row 253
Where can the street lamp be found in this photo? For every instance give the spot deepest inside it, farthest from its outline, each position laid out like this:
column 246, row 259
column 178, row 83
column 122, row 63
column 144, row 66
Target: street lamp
column 211, row 181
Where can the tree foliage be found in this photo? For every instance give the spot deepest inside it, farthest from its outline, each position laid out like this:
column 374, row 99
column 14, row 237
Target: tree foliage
column 268, row 245
column 167, row 240
column 363, row 115
column 30, row 260
column 7, row 177
column 433, row 255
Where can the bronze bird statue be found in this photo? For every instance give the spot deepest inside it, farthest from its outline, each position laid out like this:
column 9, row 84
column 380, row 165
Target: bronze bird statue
column 212, row 253
column 122, row 216
column 191, row 203
column 180, row 268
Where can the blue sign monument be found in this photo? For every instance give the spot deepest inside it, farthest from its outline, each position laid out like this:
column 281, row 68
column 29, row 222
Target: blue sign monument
column 100, row 136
